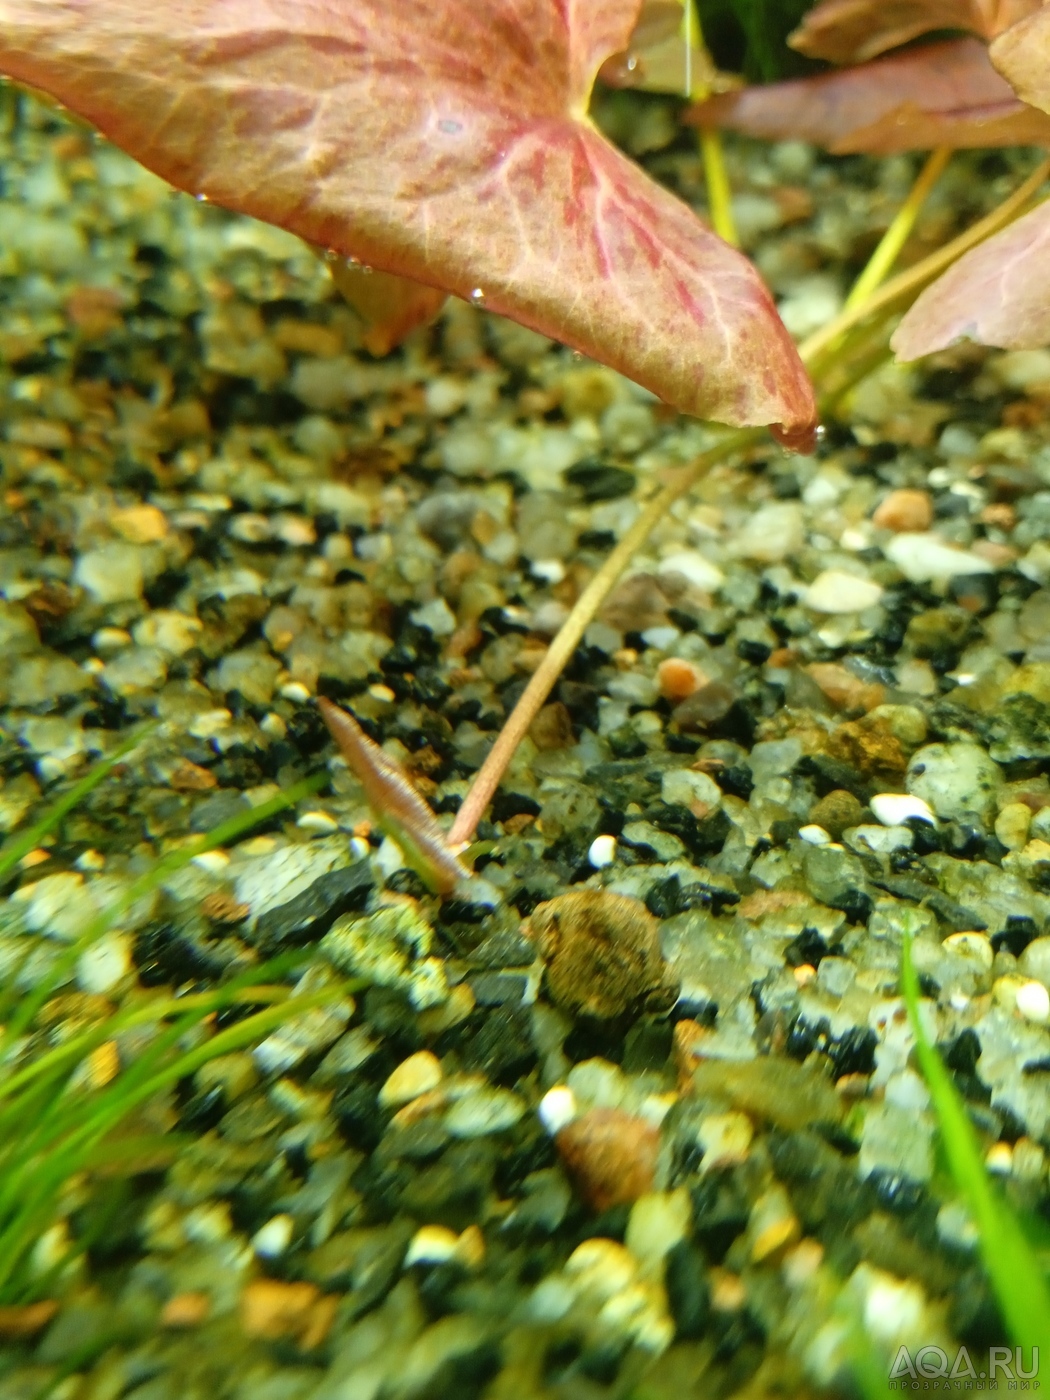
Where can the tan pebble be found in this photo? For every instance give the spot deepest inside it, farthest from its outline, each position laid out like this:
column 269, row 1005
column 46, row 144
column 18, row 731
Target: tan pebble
column 782, row 657
column 552, row 728
column 1005, row 989
column 725, row 1139
column 419, row 1074
column 773, row 1224
column 904, row 509
column 223, row 908
column 687, row 1039
column 1012, row 823
column 272, row 1309
column 319, row 1322
column 611, row 1156
column 1000, row 556
column 853, row 1087
column 602, row 954
column 185, row 1310
column 140, row 524
column 1029, row 1162
column 625, row 659
column 836, row 812
column 307, row 338
column 804, row 974
column 975, row 947
column 420, row 1108
column 728, row 1293
column 470, row 1248
column 190, row 777
column 35, row 857
column 678, row 679
column 801, row 1263
column 845, row 690
column 27, row 1319
column 603, row 1267
column 1000, row 515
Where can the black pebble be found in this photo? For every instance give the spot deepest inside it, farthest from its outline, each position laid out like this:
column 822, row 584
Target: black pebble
column 685, row 1278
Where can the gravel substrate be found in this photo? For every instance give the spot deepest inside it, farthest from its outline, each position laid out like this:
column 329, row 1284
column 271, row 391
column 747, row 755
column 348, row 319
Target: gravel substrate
column 633, row 1113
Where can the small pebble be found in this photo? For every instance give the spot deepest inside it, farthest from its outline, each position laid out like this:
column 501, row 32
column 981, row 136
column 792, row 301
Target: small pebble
column 895, row 808
column 557, row 1108
column 904, row 509
column 611, row 1156
column 1033, row 1002
column 835, row 591
column 1000, row 1158
column 432, row 1244
column 1012, row 823
column 185, row 1310
column 725, row 1139
column 678, row 679
column 602, row 851
column 419, row 1074
column 272, row 1239
column 814, row 835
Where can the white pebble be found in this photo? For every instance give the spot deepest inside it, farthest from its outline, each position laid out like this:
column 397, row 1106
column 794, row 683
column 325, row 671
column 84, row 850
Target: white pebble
column 296, row 692
column 926, row 558
column 273, row 1238
column 557, row 1108
column 317, row 821
column 602, row 851
column 691, row 564
column 549, row 570
column 431, row 1244
column 214, row 862
column 895, row 808
column 100, row 967
column 815, row 835
column 835, row 591
column 1033, row 1002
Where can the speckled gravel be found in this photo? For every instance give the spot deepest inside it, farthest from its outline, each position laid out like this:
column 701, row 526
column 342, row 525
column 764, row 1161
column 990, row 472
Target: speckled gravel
column 816, row 715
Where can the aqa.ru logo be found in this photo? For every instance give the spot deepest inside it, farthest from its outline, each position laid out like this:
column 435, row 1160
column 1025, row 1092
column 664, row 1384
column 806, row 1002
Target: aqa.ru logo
column 931, row 1368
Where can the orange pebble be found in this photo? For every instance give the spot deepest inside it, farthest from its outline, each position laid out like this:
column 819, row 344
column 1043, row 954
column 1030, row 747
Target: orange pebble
column 186, row 1310
column 679, row 679
column 906, row 509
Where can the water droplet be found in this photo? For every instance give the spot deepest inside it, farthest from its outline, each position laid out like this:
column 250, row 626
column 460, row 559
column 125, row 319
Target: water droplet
column 448, row 125
column 366, row 271
column 330, row 255
column 477, row 296
column 577, row 354
column 631, row 64
column 821, row 433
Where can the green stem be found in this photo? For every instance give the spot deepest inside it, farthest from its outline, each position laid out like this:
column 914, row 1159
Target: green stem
column 899, row 231
column 719, row 194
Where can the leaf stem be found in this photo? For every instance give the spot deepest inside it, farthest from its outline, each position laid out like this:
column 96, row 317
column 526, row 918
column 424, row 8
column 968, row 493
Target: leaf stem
column 895, row 237
column 565, row 643
column 913, row 279
column 719, row 194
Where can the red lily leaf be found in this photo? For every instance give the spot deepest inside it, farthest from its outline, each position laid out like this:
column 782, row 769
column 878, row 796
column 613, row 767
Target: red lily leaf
column 1022, row 56
column 997, row 294
column 445, row 141
column 389, row 306
column 944, row 94
column 854, row 31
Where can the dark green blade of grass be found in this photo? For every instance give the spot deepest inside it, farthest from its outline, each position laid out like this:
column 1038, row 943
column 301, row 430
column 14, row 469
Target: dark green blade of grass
column 29, row 840
column 1013, row 1269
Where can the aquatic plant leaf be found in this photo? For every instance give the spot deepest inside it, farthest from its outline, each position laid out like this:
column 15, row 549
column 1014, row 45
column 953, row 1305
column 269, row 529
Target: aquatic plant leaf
column 389, row 306
column 657, row 58
column 945, row 94
column 997, row 294
column 854, row 31
column 1022, row 56
column 446, row 141
column 398, row 808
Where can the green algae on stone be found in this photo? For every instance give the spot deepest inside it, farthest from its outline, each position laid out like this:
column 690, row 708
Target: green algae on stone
column 391, row 947
column 782, row 1092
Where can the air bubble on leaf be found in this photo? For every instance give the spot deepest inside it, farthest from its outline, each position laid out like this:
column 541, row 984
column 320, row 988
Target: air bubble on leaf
column 477, row 296
column 448, row 125
column 631, row 64
column 330, row 255
column 820, row 432
column 201, row 198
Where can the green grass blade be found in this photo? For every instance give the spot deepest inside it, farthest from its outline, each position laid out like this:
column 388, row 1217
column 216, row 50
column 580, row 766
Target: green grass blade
column 30, row 839
column 30, row 1004
column 1013, row 1269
